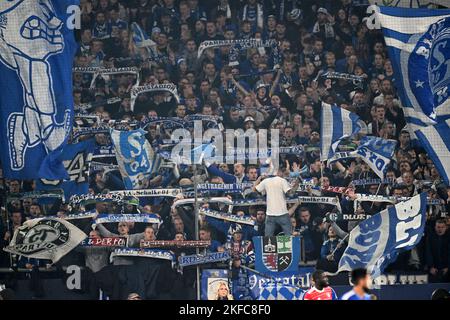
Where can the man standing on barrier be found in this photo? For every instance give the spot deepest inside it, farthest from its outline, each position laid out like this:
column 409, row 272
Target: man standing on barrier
column 276, row 188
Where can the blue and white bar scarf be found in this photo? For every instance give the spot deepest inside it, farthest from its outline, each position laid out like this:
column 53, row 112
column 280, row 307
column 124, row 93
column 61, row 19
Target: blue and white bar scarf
column 78, row 216
column 166, row 87
column 144, row 253
column 356, row 80
column 98, row 166
column 42, row 194
column 143, row 217
column 248, row 43
column 84, row 108
column 227, row 217
column 209, row 122
column 108, row 197
column 166, row 122
column 176, row 244
column 391, row 199
column 304, row 199
column 149, row 193
column 363, row 182
column 85, row 120
column 196, row 259
column 97, row 71
column 182, row 202
column 83, row 131
column 244, row 44
column 228, row 187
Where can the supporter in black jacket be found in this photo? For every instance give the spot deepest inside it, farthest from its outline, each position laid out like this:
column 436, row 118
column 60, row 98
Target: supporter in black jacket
column 437, row 252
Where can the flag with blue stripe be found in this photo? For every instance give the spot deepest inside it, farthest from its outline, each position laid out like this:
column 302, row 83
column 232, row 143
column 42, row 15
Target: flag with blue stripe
column 76, row 159
column 436, row 141
column 140, row 37
column 376, row 242
column 37, row 48
column 280, row 291
column 336, row 125
column 418, row 46
column 375, row 151
column 410, row 3
column 136, row 159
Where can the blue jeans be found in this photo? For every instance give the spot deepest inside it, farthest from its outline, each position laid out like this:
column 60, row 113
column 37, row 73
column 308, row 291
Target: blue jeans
column 283, row 221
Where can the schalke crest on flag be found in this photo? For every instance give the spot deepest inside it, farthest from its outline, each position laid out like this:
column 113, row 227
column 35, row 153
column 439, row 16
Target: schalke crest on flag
column 277, row 254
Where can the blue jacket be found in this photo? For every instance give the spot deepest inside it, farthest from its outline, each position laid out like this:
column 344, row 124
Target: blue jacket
column 226, row 177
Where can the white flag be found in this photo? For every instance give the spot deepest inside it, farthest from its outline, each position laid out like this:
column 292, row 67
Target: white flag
column 45, row 238
column 410, row 3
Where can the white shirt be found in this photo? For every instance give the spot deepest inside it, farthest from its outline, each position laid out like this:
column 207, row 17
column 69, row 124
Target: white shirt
column 275, row 189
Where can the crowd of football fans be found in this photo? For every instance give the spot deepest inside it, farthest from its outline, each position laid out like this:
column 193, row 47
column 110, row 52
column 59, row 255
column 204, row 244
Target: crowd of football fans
column 313, row 37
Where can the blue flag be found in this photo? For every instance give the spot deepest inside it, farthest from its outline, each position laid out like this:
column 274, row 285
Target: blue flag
column 377, row 153
column 376, row 241
column 76, row 159
column 36, row 55
column 436, row 141
column 140, row 37
column 336, row 125
column 136, row 159
column 277, row 254
column 410, row 3
column 417, row 41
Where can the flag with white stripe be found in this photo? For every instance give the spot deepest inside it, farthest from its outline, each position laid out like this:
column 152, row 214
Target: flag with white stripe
column 417, row 41
column 436, row 141
column 375, row 151
column 410, row 3
column 136, row 159
column 140, row 37
column 336, row 125
column 376, row 241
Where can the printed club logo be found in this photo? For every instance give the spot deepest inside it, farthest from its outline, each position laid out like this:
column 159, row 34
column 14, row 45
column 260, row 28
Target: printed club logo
column 429, row 67
column 277, row 253
column 45, row 235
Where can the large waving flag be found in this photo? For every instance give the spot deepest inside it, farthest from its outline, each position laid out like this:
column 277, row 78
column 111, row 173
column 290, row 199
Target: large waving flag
column 336, row 125
column 436, row 141
column 376, row 242
column 36, row 55
column 135, row 156
column 417, row 40
column 410, row 3
column 76, row 159
column 45, row 238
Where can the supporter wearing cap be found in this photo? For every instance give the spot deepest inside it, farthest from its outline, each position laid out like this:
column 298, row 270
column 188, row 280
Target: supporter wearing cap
column 324, row 25
column 249, row 123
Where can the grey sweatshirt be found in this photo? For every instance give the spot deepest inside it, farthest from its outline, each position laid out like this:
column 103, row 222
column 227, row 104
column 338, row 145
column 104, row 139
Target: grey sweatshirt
column 134, row 241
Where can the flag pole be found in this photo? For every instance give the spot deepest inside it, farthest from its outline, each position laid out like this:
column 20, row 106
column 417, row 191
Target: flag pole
column 8, row 222
column 196, row 221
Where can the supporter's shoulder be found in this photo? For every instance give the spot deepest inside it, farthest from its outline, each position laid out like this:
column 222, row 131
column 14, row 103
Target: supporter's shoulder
column 348, row 295
column 309, row 293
